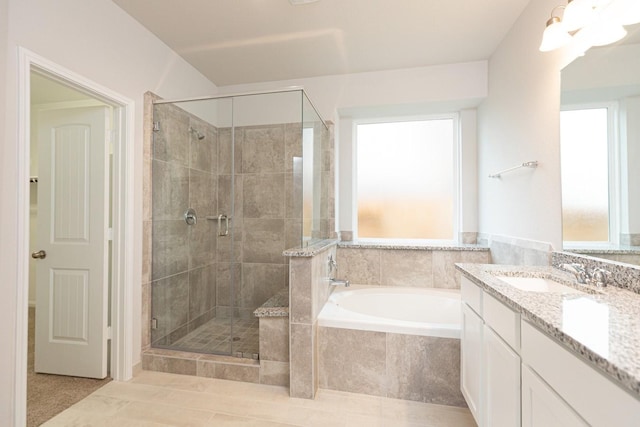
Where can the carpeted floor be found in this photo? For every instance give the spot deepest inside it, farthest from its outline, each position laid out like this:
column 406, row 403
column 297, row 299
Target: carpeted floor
column 48, row 395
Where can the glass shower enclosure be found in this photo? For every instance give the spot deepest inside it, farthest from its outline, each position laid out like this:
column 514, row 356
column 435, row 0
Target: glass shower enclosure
column 236, row 180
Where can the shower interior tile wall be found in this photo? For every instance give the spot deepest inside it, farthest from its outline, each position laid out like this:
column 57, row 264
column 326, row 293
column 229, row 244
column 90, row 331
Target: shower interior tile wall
column 191, row 265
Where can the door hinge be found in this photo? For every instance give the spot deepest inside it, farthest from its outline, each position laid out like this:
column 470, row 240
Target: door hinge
column 156, row 126
column 110, row 234
column 109, row 333
column 154, row 323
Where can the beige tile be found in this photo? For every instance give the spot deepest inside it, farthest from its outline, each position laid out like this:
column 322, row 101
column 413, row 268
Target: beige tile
column 263, row 149
column 147, row 242
column 300, row 283
column 444, row 269
column 302, row 361
column 406, row 268
column 424, row 369
column 360, row 266
column 357, row 368
column 224, row 420
column 165, row 414
column 168, row 364
column 146, row 316
column 274, row 373
column 264, row 196
column 224, row 150
column 274, row 339
column 263, row 241
column 260, row 282
column 250, row 374
column 147, row 189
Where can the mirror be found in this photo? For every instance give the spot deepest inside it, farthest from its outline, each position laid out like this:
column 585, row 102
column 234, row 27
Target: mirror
column 606, row 78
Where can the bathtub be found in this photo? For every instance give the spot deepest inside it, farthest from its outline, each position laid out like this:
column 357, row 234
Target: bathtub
column 399, row 310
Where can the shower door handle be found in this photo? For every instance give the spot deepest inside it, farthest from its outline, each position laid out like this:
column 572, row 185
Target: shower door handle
column 223, row 217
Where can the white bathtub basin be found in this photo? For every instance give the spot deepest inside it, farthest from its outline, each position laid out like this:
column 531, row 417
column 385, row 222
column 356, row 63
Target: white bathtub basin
column 539, row 284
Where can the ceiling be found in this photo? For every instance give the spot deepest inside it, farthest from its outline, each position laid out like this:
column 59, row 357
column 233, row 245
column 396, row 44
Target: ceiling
column 246, row 41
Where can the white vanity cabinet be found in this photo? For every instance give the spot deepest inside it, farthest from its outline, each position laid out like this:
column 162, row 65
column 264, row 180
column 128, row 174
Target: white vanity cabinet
column 490, row 364
column 559, row 389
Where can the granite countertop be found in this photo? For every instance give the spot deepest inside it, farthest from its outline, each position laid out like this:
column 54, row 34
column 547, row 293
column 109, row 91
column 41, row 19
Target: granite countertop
column 604, row 249
column 276, row 306
column 420, row 245
column 601, row 326
column 311, row 250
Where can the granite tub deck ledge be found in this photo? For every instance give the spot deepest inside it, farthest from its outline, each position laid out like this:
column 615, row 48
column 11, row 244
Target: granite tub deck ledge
column 610, row 343
column 416, row 245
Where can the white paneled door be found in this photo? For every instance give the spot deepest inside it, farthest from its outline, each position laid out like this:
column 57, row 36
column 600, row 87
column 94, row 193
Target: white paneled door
column 72, row 244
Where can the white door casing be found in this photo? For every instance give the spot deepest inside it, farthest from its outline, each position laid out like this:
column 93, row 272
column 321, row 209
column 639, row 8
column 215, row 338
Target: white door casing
column 72, row 280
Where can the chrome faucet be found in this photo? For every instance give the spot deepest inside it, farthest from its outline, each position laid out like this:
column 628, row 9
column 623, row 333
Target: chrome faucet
column 339, row 282
column 597, row 276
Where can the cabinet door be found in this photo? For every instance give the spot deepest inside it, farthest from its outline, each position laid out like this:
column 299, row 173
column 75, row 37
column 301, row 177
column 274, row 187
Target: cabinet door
column 471, row 360
column 501, row 383
column 542, row 407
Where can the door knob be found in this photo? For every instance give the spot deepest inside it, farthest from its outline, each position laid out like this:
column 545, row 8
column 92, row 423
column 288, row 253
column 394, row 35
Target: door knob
column 39, row 254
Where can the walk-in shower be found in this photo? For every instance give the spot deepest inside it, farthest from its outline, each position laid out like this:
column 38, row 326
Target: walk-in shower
column 236, row 180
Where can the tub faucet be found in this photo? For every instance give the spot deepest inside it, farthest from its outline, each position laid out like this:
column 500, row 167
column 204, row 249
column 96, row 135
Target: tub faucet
column 339, row 282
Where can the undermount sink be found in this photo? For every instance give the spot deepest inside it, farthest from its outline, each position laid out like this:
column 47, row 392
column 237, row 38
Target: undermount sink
column 539, row 284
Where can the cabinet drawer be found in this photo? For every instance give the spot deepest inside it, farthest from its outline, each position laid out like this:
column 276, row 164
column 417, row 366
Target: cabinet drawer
column 596, row 398
column 503, row 320
column 471, row 294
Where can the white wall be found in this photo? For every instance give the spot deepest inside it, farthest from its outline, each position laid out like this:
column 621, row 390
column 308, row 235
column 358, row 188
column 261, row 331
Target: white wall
column 519, row 122
column 7, row 287
column 96, row 39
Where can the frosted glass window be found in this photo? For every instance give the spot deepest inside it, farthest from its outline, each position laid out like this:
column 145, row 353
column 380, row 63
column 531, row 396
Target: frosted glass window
column 405, row 182
column 585, row 175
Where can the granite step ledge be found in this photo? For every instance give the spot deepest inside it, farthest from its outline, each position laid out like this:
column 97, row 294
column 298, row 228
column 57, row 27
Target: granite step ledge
column 276, row 306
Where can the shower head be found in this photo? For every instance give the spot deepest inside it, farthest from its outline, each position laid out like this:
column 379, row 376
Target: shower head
column 196, row 133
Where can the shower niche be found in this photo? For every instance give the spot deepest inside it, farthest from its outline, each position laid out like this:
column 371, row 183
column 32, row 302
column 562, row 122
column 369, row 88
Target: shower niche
column 235, row 180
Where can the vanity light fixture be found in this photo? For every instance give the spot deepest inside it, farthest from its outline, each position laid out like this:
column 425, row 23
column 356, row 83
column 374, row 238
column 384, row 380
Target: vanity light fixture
column 598, row 22
column 554, row 35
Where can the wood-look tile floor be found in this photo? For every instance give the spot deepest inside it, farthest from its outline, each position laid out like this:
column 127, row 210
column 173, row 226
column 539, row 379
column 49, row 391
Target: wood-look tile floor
column 159, row 399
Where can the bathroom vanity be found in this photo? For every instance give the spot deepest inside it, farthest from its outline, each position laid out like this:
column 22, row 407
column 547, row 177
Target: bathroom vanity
column 540, row 350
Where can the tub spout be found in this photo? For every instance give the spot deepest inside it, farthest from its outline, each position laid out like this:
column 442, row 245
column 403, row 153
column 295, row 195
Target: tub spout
column 339, row 282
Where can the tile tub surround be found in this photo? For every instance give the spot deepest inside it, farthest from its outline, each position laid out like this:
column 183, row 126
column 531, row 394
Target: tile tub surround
column 309, row 289
column 409, row 367
column 611, row 344
column 406, row 264
column 516, row 251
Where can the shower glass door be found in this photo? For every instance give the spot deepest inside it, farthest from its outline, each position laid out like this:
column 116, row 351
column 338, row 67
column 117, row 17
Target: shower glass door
column 193, row 249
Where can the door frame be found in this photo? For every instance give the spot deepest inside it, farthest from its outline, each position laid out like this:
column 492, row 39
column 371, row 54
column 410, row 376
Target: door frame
column 122, row 187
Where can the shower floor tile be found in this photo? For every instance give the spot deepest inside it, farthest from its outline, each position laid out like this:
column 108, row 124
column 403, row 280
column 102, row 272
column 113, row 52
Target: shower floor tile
column 215, row 337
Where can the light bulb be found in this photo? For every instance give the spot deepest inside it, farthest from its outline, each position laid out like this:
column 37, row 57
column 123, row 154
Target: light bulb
column 554, row 35
column 578, row 14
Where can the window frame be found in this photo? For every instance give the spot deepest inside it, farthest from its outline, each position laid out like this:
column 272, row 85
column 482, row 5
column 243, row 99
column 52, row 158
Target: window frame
column 456, row 182
column 613, row 173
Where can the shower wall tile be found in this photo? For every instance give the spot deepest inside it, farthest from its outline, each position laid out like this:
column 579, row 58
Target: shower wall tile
column 224, row 150
column 170, row 248
column 203, row 152
column 263, row 149
column 226, row 274
column 224, row 195
column 171, row 143
column 292, row 144
column 293, row 195
column 292, row 233
column 174, row 365
column 263, row 241
column 202, row 243
column 202, row 290
column 146, row 315
column 232, row 243
column 364, row 370
column 424, row 369
column 170, row 190
column 147, row 187
column 202, row 193
column 147, row 251
column 264, row 195
column 259, row 283
column 361, row 267
column 406, row 268
column 170, row 304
